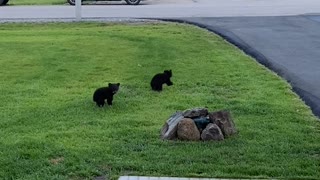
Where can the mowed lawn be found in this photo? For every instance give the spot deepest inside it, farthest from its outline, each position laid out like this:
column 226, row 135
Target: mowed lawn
column 36, row 2
column 51, row 129
column 57, row 2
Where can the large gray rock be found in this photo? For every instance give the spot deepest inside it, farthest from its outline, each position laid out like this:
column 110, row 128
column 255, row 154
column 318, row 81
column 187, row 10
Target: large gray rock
column 196, row 112
column 212, row 132
column 224, row 121
column 187, row 130
column 169, row 129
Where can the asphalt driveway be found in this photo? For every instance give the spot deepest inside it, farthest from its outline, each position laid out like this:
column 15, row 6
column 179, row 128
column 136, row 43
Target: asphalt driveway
column 288, row 45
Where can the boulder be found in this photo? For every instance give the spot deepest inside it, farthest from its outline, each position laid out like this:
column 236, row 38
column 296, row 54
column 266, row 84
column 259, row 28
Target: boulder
column 169, row 129
column 224, row 121
column 212, row 132
column 187, row 130
column 196, row 112
column 201, row 123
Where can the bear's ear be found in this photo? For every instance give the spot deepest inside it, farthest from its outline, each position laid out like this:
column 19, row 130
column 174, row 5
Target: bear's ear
column 109, row 84
column 118, row 84
column 170, row 70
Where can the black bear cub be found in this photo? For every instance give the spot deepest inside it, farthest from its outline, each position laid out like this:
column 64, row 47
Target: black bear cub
column 162, row 78
column 103, row 93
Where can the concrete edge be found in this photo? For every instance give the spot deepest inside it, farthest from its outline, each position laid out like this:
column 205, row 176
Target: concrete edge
column 178, row 178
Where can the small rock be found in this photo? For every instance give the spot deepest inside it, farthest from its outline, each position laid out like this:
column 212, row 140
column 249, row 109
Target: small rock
column 187, row 130
column 212, row 132
column 196, row 112
column 201, row 123
column 169, row 129
column 224, row 121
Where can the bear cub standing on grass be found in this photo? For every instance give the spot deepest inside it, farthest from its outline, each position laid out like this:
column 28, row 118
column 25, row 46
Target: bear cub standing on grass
column 103, row 93
column 162, row 78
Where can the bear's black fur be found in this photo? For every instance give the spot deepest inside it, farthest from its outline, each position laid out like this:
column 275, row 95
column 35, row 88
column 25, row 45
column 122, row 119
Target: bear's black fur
column 103, row 93
column 162, row 78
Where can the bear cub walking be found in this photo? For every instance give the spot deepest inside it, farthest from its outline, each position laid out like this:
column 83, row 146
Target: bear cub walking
column 162, row 78
column 103, row 93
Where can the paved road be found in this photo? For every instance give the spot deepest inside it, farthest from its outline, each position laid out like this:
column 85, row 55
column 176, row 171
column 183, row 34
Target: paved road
column 170, row 9
column 290, row 45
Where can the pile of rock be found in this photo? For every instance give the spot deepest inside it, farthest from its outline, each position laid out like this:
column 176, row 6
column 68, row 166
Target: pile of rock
column 198, row 124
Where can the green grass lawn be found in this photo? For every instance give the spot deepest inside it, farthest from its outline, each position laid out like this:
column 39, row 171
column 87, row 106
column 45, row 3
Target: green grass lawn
column 51, row 129
column 36, row 2
column 48, row 2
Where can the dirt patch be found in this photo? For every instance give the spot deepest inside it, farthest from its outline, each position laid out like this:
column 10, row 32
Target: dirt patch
column 57, row 160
